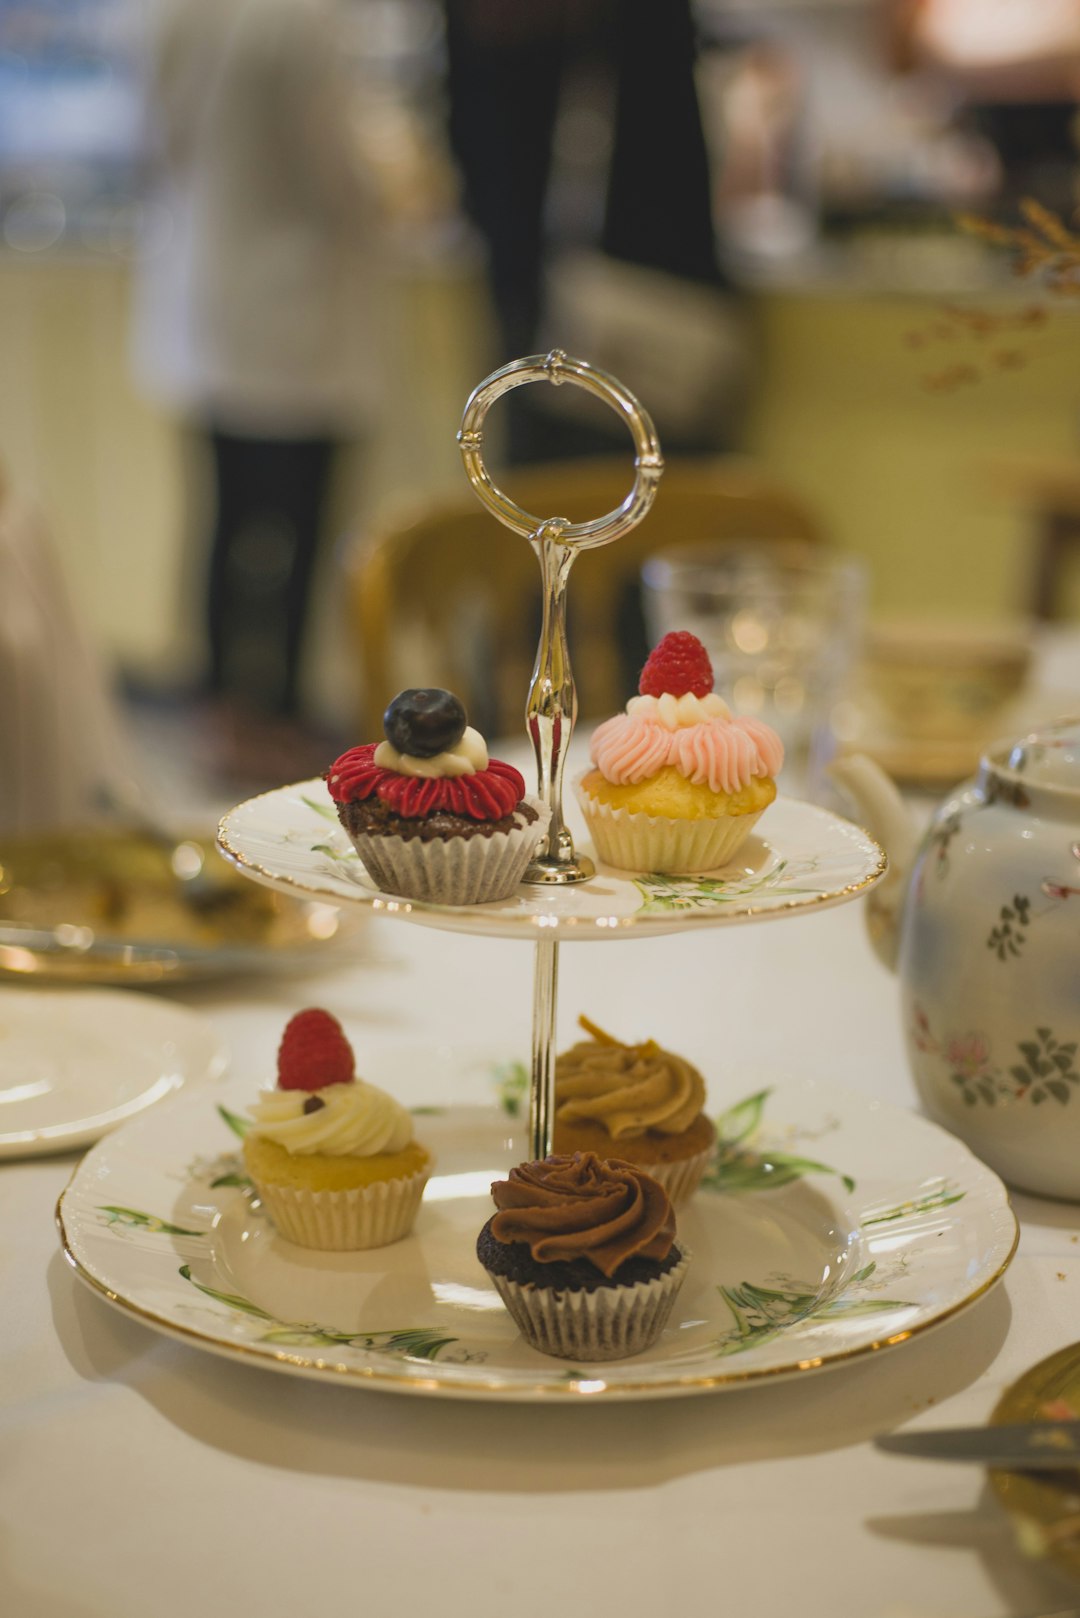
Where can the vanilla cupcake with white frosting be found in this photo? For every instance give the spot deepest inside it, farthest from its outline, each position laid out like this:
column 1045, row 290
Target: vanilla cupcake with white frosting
column 333, row 1158
column 678, row 781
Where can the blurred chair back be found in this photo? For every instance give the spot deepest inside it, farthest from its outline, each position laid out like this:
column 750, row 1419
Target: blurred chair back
column 447, row 596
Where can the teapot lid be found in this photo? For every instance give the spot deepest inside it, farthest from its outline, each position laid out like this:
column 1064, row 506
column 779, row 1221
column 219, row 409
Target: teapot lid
column 1048, row 757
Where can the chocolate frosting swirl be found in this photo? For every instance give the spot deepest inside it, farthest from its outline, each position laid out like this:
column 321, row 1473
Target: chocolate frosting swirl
column 583, row 1206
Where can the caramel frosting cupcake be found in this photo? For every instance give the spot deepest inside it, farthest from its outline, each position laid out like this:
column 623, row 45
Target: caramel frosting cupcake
column 583, row 1254
column 640, row 1103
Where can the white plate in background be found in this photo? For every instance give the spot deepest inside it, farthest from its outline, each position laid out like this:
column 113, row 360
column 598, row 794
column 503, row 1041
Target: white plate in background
column 75, row 1063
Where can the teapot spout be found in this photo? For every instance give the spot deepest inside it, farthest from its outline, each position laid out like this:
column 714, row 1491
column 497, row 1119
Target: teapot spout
column 883, row 811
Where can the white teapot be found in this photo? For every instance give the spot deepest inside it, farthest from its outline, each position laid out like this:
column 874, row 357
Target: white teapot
column 982, row 921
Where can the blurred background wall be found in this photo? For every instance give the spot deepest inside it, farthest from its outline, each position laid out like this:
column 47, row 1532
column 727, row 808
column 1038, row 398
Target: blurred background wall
column 896, row 371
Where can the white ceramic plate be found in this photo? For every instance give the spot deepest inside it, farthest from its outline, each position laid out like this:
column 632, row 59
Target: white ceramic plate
column 75, row 1063
column 833, row 1227
column 805, row 857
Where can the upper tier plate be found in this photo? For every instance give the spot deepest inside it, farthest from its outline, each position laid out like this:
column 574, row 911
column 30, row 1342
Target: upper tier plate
column 291, row 839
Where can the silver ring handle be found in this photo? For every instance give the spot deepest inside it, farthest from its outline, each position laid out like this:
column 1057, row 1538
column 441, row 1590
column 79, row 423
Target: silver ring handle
column 558, row 368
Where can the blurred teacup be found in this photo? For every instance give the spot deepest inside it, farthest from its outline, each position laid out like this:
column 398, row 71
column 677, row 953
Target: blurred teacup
column 781, row 623
column 942, row 680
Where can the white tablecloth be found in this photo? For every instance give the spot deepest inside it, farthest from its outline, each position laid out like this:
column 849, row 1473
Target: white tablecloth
column 143, row 1478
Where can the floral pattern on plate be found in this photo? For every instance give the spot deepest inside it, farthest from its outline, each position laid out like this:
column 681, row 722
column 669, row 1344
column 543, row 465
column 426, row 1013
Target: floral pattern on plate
column 803, row 1263
column 805, row 856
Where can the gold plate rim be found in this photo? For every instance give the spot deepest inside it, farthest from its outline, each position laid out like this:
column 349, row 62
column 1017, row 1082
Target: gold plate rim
column 496, row 1389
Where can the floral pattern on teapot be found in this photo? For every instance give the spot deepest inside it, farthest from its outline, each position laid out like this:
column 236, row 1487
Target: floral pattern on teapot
column 1047, row 1071
column 989, row 963
column 987, row 924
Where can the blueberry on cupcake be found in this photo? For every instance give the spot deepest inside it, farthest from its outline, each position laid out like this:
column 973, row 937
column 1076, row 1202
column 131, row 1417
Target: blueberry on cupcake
column 429, row 813
column 582, row 1252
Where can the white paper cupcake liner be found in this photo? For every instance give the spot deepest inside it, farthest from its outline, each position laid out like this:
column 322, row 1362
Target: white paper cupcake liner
column 345, row 1221
column 681, row 1179
column 454, row 870
column 609, row 1324
column 636, row 842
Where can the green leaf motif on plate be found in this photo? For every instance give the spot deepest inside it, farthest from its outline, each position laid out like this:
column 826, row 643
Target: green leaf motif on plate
column 737, row 1166
column 665, row 893
column 942, row 1195
column 238, row 1125
column 340, row 856
column 762, row 1314
column 135, row 1219
column 231, row 1300
column 511, row 1080
column 341, row 864
column 326, row 810
column 411, row 1342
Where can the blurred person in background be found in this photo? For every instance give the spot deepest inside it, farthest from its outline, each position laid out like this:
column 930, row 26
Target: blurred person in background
column 579, row 137
column 254, row 322
column 1016, row 66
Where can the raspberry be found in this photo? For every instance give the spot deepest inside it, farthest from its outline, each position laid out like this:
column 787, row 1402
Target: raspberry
column 679, row 664
column 314, row 1052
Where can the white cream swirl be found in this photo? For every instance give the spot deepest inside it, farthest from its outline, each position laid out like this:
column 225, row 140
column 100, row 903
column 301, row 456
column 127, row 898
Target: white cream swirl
column 355, row 1120
column 466, row 757
column 678, row 713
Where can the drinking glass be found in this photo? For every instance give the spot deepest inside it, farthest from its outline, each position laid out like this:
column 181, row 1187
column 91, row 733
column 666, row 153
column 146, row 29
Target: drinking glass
column 781, row 624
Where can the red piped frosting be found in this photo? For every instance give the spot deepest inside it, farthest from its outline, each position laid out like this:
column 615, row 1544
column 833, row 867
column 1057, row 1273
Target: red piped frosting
column 314, row 1052
column 677, row 665
column 490, row 794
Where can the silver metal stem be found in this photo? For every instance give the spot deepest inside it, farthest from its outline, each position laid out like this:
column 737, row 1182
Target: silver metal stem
column 545, row 1001
column 552, row 705
column 552, row 710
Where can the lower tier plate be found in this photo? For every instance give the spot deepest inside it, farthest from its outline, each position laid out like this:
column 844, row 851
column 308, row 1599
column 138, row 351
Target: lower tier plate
column 830, row 1226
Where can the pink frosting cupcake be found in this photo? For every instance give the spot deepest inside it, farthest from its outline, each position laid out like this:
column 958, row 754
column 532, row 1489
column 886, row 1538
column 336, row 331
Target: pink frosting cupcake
column 678, row 782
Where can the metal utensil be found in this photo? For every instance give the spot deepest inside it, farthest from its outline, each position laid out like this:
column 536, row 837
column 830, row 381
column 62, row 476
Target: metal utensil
column 1025, row 1446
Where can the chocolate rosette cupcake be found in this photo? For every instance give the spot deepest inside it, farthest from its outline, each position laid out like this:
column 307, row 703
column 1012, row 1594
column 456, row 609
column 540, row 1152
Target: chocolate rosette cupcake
column 430, row 815
column 582, row 1252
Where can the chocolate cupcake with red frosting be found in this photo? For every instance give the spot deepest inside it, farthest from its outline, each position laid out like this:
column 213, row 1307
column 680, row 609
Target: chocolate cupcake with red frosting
column 430, row 815
column 582, row 1252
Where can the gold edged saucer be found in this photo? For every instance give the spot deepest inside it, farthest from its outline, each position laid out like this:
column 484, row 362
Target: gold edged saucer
column 1045, row 1506
column 112, row 905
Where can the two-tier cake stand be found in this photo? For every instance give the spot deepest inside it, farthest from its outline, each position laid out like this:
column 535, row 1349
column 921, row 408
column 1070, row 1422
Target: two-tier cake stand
column 811, row 857
column 824, row 1230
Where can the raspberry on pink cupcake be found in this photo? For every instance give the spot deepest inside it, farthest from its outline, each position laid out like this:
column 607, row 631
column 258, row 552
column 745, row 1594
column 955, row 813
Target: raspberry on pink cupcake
column 677, row 782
